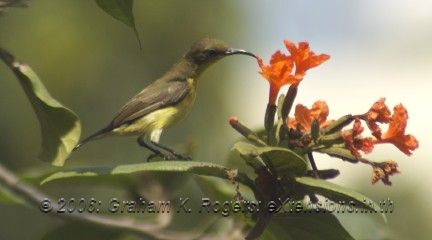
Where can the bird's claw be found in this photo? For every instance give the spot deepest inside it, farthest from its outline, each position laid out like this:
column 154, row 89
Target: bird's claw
column 168, row 157
column 182, row 157
column 155, row 155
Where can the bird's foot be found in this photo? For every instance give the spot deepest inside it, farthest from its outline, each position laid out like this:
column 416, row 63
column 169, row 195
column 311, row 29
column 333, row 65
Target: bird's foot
column 168, row 157
column 156, row 155
column 182, row 157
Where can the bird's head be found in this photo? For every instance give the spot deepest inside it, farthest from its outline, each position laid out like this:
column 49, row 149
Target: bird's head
column 207, row 51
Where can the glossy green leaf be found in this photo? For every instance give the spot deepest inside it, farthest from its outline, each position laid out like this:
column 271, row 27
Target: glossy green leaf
column 285, row 161
column 200, row 168
column 61, row 128
column 121, row 10
column 339, row 194
column 311, row 226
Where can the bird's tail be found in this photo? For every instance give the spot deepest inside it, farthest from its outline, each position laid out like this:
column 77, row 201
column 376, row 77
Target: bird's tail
column 94, row 136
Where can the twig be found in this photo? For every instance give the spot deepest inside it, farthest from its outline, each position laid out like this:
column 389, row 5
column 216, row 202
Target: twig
column 312, row 196
column 313, row 164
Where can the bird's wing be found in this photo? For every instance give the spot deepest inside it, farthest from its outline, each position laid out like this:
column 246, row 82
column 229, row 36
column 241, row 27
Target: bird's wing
column 153, row 97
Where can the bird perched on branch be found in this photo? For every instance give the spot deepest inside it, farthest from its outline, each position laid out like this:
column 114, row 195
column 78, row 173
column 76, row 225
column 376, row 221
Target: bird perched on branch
column 167, row 100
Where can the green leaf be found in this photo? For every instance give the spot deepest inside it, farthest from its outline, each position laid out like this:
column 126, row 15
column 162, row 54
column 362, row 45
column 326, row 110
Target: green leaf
column 222, row 190
column 339, row 152
column 61, row 128
column 311, row 226
column 244, row 149
column 339, row 194
column 285, row 161
column 7, row 197
column 12, row 3
column 74, row 231
column 200, row 168
column 121, row 10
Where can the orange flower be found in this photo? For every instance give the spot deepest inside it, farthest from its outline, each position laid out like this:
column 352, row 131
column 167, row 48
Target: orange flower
column 379, row 112
column 383, row 171
column 280, row 70
column 304, row 116
column 354, row 142
column 278, row 73
column 304, row 58
column 396, row 132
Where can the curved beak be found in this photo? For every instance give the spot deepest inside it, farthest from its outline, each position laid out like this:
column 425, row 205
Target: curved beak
column 232, row 51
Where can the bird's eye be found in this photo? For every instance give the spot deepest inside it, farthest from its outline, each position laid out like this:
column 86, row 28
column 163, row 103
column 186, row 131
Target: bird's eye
column 211, row 52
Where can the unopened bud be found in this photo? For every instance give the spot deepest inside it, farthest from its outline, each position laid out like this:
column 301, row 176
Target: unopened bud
column 289, row 101
column 315, row 130
column 245, row 131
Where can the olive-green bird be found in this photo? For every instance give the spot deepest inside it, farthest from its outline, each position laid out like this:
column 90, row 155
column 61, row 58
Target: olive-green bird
column 167, row 100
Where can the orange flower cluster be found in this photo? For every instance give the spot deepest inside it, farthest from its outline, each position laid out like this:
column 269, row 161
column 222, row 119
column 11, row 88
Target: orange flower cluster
column 380, row 113
column 291, row 68
column 280, row 70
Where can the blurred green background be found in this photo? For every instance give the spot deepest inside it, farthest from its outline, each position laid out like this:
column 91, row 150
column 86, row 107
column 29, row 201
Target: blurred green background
column 93, row 64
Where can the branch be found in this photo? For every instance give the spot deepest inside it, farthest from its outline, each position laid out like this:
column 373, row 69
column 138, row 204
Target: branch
column 35, row 197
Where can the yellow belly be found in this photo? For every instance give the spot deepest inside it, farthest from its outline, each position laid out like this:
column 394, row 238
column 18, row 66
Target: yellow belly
column 162, row 118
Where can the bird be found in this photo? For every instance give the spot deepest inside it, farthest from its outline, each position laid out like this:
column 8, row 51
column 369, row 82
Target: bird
column 166, row 101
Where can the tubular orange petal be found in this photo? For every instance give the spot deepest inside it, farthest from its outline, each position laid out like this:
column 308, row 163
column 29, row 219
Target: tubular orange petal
column 405, row 143
column 396, row 132
column 354, row 142
column 303, row 57
column 303, row 117
column 292, row 123
column 379, row 112
column 277, row 73
column 398, row 122
column 320, row 111
column 273, row 93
